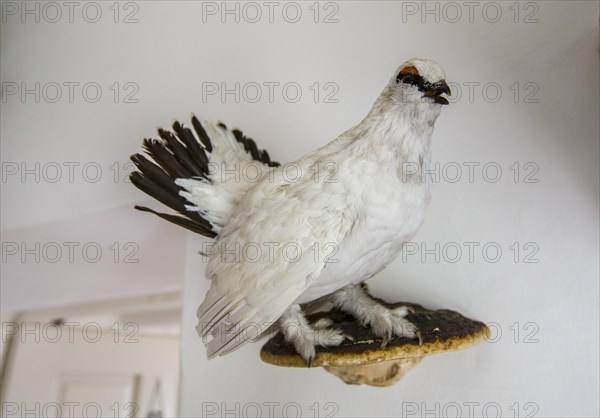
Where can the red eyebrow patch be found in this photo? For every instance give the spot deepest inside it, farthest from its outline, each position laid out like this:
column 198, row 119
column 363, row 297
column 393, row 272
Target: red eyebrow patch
column 409, row 70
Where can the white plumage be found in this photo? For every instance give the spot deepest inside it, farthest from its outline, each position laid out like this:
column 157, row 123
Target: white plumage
column 286, row 240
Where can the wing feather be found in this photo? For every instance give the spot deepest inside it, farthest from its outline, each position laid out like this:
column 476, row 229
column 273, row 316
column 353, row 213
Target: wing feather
column 248, row 294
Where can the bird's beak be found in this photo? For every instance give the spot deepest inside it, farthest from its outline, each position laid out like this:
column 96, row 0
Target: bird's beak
column 436, row 90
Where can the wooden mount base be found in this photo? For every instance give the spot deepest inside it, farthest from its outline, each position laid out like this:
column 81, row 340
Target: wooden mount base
column 364, row 361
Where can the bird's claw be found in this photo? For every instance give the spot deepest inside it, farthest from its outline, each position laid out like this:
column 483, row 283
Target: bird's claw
column 348, row 337
column 326, row 337
column 386, row 339
column 387, row 323
column 319, row 334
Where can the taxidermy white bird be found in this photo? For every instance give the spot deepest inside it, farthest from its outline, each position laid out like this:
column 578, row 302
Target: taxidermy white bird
column 286, row 236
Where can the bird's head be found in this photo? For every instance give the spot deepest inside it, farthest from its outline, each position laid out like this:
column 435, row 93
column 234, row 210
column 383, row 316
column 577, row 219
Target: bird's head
column 420, row 81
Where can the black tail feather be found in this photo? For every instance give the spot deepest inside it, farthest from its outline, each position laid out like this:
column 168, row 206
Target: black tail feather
column 174, row 157
column 250, row 147
column 180, row 155
column 181, row 221
column 202, row 135
column 154, row 173
column 163, row 195
column 196, row 152
column 264, row 156
column 165, row 159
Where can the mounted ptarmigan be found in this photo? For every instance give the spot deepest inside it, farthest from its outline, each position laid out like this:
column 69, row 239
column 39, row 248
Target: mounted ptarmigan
column 285, row 236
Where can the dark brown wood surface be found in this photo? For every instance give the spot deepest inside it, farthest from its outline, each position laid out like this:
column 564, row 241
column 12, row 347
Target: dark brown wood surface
column 441, row 330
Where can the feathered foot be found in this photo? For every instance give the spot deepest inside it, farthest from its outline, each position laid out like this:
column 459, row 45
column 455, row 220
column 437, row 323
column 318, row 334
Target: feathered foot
column 297, row 331
column 384, row 322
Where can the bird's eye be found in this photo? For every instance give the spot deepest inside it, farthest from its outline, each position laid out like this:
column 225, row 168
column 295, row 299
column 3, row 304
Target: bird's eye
column 408, row 75
column 407, row 78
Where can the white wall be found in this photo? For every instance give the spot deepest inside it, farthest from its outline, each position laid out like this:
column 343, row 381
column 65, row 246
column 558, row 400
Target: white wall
column 171, row 52
column 104, row 361
column 111, row 254
column 46, row 374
